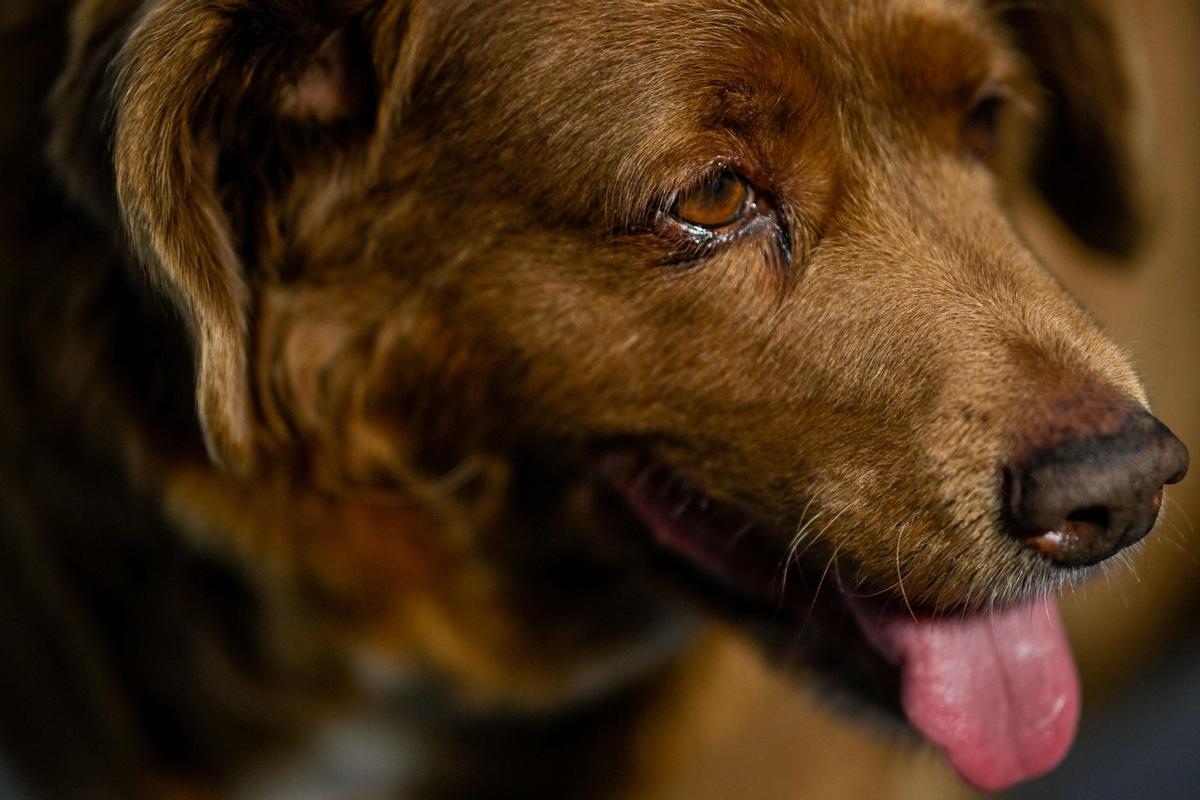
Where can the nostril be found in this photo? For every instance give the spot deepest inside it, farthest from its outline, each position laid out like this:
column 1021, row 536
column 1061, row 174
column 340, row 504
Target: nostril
column 1074, row 539
column 1096, row 516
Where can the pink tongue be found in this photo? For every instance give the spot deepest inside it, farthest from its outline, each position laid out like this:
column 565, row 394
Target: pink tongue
column 997, row 692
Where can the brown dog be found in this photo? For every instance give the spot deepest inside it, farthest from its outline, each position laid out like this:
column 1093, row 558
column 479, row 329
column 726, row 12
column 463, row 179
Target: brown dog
column 528, row 334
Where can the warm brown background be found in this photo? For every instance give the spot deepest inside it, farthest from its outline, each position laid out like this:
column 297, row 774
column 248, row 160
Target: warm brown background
column 749, row 734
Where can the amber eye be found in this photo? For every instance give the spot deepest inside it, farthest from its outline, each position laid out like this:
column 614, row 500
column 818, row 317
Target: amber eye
column 722, row 200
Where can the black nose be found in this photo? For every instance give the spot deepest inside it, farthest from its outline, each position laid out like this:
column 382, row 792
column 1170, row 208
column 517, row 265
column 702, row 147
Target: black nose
column 1085, row 499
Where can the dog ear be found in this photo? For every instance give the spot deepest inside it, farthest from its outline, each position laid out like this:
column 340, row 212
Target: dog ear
column 1083, row 160
column 197, row 80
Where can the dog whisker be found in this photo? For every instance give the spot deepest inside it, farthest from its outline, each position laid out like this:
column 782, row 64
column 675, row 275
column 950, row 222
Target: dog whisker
column 1173, row 506
column 1183, row 550
column 791, row 553
column 816, row 594
column 900, row 573
column 794, row 558
column 741, row 532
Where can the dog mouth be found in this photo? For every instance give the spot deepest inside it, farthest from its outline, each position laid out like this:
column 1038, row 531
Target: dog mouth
column 997, row 691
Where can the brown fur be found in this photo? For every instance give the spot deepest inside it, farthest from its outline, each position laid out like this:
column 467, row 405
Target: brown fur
column 413, row 252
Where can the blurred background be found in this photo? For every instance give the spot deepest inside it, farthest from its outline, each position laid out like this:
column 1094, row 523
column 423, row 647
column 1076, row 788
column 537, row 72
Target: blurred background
column 1136, row 634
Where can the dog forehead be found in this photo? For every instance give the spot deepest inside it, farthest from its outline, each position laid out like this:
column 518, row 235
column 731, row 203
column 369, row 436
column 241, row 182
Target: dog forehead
column 645, row 28
column 633, row 93
column 659, row 58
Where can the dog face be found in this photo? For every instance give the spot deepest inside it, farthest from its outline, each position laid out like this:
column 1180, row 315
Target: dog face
column 732, row 281
column 856, row 344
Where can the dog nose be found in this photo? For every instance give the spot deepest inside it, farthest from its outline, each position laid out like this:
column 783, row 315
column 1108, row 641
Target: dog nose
column 1088, row 497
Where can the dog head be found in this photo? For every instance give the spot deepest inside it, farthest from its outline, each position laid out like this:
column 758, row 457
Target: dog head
column 729, row 284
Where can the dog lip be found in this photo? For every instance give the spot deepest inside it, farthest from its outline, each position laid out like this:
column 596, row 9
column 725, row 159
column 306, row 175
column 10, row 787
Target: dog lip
column 721, row 540
column 739, row 570
column 737, row 547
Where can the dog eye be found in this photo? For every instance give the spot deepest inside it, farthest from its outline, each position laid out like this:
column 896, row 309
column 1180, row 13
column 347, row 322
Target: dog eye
column 722, row 200
column 981, row 130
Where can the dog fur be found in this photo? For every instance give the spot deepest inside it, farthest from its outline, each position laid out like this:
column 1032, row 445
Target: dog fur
column 306, row 380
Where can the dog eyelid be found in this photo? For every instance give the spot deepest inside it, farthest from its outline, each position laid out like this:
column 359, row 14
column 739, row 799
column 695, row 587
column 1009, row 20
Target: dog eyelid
column 981, row 127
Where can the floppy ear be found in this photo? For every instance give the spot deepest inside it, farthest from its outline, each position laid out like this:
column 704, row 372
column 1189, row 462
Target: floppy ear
column 197, row 79
column 1083, row 162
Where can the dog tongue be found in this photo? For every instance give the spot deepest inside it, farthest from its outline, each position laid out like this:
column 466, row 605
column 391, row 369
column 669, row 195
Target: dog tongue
column 997, row 692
